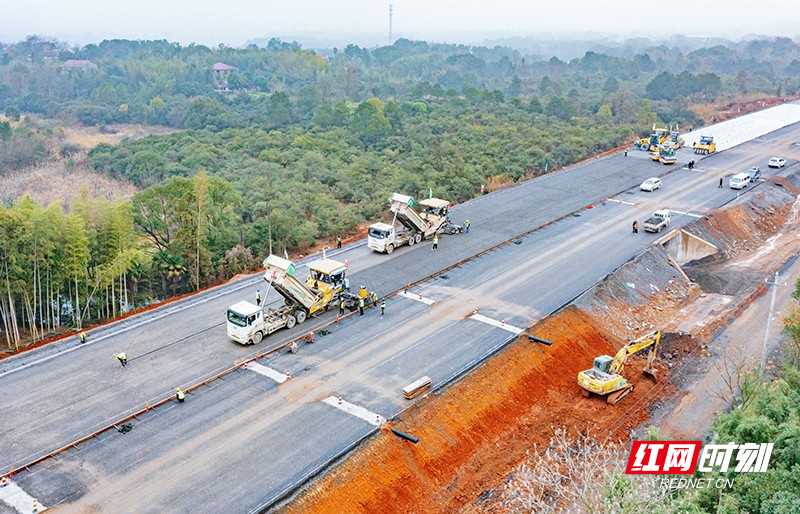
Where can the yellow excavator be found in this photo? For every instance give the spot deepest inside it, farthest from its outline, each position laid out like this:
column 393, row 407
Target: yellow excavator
column 605, row 377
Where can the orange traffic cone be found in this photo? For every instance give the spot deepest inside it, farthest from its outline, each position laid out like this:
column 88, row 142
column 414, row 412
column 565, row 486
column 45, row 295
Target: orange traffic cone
column 245, row 365
column 346, row 265
column 288, row 375
column 340, row 402
column 503, row 322
column 4, row 482
column 35, row 505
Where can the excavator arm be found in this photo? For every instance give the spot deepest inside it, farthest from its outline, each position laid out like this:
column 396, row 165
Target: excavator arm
column 650, row 341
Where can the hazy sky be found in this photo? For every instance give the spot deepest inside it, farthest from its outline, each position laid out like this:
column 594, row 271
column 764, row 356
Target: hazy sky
column 233, row 22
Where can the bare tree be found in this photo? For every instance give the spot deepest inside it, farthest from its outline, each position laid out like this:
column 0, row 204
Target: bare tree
column 739, row 378
column 578, row 473
column 791, row 329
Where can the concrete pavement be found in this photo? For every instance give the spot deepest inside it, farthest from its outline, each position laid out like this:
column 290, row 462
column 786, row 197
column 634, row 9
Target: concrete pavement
column 367, row 360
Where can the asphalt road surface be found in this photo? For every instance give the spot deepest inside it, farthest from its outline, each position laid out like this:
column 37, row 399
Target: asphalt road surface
column 245, row 440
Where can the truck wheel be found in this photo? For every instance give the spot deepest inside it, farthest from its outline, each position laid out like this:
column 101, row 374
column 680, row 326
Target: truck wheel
column 418, row 238
column 411, row 241
column 300, row 316
column 290, row 322
column 389, row 249
column 257, row 337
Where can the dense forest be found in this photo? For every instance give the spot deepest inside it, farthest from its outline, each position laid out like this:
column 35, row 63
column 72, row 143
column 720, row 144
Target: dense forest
column 279, row 146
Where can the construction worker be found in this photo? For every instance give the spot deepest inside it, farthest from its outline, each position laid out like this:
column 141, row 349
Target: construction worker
column 626, row 152
column 466, row 226
column 435, row 242
column 720, row 182
column 122, row 358
column 361, row 306
column 383, row 306
column 311, row 337
column 373, row 298
column 83, row 337
column 341, row 306
column 338, row 243
column 258, row 297
column 179, row 395
column 635, row 227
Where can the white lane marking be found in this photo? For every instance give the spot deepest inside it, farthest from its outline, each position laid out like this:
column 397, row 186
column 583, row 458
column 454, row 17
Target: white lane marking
column 16, row 498
column 370, row 417
column 686, row 213
column 418, row 298
column 246, row 282
column 620, row 201
column 267, row 372
column 499, row 324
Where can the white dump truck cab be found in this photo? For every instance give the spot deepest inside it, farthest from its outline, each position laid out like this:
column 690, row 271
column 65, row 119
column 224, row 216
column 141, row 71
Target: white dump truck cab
column 244, row 320
column 380, row 235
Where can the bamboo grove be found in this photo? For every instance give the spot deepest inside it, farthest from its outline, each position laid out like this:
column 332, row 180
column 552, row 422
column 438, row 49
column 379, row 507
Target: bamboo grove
column 61, row 270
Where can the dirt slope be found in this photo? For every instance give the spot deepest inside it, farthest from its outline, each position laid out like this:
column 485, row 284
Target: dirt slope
column 477, row 430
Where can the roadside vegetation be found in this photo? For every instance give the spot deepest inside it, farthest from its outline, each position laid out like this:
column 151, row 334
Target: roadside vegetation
column 284, row 147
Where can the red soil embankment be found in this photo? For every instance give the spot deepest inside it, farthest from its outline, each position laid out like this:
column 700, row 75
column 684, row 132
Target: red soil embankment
column 478, row 429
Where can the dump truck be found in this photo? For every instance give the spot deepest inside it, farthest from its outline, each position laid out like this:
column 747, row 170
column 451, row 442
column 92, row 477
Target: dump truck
column 605, row 377
column 658, row 221
column 433, row 217
column 705, row 146
column 249, row 323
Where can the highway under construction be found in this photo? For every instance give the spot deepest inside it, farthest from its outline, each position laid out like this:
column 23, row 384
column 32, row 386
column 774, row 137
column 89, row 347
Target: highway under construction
column 259, row 422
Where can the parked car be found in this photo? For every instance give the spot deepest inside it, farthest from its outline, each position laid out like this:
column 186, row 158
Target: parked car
column 754, row 173
column 651, row 184
column 777, row 162
column 739, row 181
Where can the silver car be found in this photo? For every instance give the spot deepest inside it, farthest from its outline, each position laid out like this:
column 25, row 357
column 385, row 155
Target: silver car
column 651, row 184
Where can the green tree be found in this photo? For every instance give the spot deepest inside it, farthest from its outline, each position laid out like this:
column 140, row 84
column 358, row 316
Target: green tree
column 5, row 131
column 204, row 112
column 604, row 114
column 611, row 85
column 369, row 123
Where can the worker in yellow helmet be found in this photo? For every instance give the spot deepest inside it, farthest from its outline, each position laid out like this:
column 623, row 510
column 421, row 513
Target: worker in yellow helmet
column 179, row 395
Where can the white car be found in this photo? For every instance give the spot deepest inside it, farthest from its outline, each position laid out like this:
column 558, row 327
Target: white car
column 777, row 162
column 651, row 184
